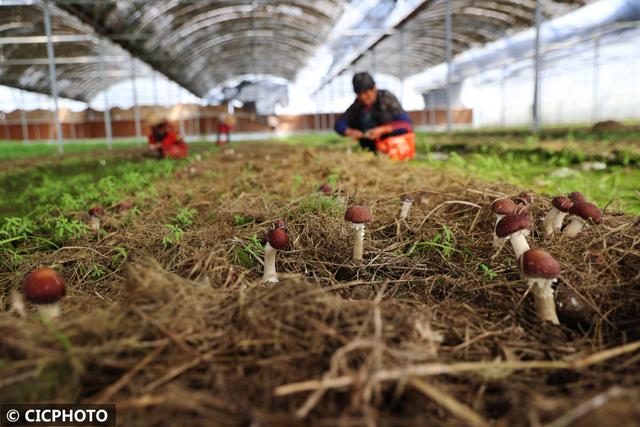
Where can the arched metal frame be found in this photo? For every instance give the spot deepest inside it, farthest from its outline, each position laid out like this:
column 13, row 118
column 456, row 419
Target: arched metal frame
column 202, row 43
column 474, row 23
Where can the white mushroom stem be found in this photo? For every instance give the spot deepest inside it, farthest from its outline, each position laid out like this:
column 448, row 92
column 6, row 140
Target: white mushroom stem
column 49, row 312
column 519, row 242
column 550, row 220
column 575, row 226
column 269, row 275
column 95, row 223
column 358, row 241
column 497, row 242
column 544, row 296
column 559, row 219
column 404, row 210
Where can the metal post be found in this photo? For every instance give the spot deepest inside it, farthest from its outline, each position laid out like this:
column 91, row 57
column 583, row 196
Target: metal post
column 52, row 74
column 155, row 91
column 23, row 118
column 105, row 88
column 136, row 107
column 535, row 124
column 595, row 107
column 402, row 64
column 503, row 107
column 448, row 41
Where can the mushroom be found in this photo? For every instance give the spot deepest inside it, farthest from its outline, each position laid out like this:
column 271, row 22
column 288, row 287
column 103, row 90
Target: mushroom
column 95, row 213
column 325, row 189
column 541, row 270
column 423, row 197
column 559, row 208
column 515, row 228
column 44, row 287
column 577, row 197
column 358, row 216
column 405, row 202
column 277, row 239
column 523, row 198
column 124, row 205
column 502, row 208
column 582, row 214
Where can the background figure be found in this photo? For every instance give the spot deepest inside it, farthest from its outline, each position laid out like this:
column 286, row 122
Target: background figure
column 226, row 123
column 164, row 142
column 377, row 121
column 272, row 121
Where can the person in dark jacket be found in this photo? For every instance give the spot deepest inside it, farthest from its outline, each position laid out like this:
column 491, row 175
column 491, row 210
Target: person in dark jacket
column 374, row 116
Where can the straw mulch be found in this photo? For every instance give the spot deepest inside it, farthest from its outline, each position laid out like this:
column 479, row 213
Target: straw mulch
column 434, row 328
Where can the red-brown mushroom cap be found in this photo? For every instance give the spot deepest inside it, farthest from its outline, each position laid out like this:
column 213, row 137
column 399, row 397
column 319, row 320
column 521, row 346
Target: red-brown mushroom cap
column 523, row 198
column 43, row 286
column 96, row 211
column 278, row 238
column 325, row 189
column 521, row 209
column 406, row 198
column 512, row 224
column 536, row 263
column 577, row 197
column 357, row 214
column 562, row 203
column 124, row 205
column 586, row 211
column 503, row 207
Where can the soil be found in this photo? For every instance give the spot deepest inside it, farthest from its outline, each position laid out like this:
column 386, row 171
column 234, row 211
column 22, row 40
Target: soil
column 433, row 328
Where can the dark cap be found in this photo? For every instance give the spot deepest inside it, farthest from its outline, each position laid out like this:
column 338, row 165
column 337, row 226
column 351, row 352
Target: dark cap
column 536, row 263
column 357, row 214
column 512, row 224
column 363, row 82
column 587, row 211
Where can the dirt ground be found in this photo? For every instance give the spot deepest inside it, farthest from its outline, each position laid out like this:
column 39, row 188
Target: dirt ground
column 433, row 328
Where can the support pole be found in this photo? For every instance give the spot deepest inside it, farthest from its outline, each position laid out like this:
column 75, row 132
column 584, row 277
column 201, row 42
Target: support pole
column 52, row 74
column 136, row 107
column 449, row 51
column 402, row 64
column 23, row 118
column 107, row 108
column 155, row 91
column 182, row 113
column 595, row 107
column 535, row 122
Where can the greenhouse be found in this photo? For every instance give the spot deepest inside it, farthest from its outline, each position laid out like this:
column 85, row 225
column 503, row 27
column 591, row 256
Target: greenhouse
column 331, row 212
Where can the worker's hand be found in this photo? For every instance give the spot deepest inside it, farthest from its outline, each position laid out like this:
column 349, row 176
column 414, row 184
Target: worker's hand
column 353, row 133
column 377, row 132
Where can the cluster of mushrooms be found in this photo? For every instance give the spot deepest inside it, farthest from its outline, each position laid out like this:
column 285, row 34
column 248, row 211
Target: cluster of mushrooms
column 45, row 287
column 539, row 268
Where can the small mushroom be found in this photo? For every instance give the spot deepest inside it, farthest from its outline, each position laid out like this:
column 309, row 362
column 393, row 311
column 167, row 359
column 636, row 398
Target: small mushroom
column 325, row 189
column 576, row 197
column 423, row 197
column 523, row 198
column 515, row 228
column 95, row 213
column 502, row 208
column 559, row 208
column 405, row 205
column 581, row 215
column 541, row 270
column 44, row 288
column 277, row 239
column 124, row 205
column 358, row 216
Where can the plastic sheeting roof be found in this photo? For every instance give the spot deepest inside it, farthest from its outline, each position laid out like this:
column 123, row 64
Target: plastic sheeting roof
column 474, row 23
column 202, row 43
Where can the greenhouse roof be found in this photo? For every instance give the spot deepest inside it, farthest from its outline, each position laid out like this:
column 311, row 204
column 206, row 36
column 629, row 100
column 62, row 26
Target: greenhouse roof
column 202, row 44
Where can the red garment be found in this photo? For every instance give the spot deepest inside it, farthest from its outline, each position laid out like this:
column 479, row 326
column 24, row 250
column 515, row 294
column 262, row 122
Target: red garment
column 398, row 147
column 172, row 146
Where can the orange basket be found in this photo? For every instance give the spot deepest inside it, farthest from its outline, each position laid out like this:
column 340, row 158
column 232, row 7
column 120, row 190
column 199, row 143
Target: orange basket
column 398, row 147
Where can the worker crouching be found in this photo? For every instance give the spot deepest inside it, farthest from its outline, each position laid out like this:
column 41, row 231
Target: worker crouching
column 377, row 121
column 164, row 142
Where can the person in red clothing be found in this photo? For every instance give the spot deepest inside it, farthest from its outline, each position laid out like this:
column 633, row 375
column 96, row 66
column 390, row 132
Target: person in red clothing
column 377, row 121
column 164, row 142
